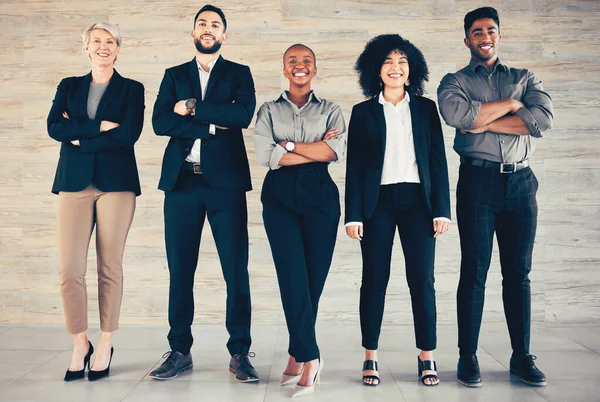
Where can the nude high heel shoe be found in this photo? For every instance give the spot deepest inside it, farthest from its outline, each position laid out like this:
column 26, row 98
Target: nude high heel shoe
column 301, row 390
column 287, row 379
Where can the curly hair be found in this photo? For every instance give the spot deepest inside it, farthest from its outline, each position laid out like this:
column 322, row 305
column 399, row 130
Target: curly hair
column 368, row 65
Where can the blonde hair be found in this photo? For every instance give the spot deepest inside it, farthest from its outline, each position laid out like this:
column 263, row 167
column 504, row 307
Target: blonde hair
column 112, row 29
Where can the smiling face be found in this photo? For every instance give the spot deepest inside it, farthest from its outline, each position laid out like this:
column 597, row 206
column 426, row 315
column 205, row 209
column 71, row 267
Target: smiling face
column 484, row 37
column 299, row 65
column 209, row 32
column 394, row 71
column 102, row 48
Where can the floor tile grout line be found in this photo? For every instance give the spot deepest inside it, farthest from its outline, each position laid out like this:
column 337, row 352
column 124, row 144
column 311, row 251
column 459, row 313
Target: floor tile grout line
column 585, row 347
column 141, row 380
column 271, row 364
column 531, row 388
column 396, row 383
column 40, row 365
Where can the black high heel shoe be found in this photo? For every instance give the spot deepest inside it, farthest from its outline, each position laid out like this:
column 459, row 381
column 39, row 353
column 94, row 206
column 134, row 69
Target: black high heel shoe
column 427, row 365
column 96, row 375
column 77, row 375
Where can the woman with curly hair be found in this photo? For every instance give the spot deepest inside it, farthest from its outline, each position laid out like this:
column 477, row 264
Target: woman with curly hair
column 396, row 177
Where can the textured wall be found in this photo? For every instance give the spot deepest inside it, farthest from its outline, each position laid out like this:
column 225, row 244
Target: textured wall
column 558, row 39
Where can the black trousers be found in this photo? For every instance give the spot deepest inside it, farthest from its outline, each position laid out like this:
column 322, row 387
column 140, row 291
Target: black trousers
column 487, row 202
column 185, row 210
column 400, row 206
column 301, row 212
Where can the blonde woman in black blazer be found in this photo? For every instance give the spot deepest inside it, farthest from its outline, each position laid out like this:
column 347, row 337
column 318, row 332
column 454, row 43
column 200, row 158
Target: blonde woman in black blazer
column 396, row 179
column 97, row 118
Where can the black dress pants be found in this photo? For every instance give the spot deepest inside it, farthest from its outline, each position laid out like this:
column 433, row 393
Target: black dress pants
column 185, row 210
column 400, row 206
column 489, row 201
column 301, row 212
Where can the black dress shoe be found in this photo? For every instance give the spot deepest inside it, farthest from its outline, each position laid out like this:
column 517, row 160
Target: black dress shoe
column 523, row 367
column 467, row 372
column 242, row 368
column 77, row 375
column 94, row 375
column 176, row 363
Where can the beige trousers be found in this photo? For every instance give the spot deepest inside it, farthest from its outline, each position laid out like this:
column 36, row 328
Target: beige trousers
column 78, row 213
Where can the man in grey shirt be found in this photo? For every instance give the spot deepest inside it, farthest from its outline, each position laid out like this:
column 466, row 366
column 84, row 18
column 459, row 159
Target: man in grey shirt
column 496, row 110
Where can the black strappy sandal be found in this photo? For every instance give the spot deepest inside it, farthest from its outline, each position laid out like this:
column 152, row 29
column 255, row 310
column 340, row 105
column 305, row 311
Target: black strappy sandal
column 371, row 365
column 427, row 365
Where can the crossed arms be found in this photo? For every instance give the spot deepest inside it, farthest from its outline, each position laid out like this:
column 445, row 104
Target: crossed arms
column 529, row 116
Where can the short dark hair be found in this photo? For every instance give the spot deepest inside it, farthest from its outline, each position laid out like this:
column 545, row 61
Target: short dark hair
column 210, row 7
column 376, row 51
column 300, row 45
column 483, row 12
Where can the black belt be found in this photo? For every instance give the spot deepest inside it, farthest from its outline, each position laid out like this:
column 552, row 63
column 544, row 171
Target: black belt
column 192, row 167
column 501, row 167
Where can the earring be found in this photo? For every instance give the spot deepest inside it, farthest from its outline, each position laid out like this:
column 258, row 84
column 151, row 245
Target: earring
column 407, row 83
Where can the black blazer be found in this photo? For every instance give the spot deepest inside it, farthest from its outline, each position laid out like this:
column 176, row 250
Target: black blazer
column 105, row 159
column 229, row 102
column 366, row 149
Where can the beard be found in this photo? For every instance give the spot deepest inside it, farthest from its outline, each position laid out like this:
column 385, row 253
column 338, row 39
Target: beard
column 213, row 49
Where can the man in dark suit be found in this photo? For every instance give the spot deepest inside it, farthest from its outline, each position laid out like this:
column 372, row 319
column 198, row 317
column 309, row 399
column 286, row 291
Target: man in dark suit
column 203, row 105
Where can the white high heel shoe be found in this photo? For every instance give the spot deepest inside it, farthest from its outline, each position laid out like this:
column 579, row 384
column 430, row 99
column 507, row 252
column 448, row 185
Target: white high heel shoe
column 301, row 390
column 287, row 379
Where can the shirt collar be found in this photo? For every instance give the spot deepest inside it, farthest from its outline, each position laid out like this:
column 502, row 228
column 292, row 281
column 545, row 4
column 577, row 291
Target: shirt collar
column 211, row 65
column 311, row 97
column 474, row 65
column 406, row 99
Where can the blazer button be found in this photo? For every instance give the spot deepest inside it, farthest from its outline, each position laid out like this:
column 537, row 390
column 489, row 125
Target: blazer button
column 187, row 150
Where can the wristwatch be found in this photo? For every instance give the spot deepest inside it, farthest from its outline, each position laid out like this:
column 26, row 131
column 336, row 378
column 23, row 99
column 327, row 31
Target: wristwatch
column 289, row 146
column 190, row 104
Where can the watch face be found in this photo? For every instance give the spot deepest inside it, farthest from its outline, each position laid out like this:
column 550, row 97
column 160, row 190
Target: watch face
column 290, row 146
column 190, row 103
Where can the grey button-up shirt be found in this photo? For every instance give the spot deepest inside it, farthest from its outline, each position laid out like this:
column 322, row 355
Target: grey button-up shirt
column 281, row 120
column 461, row 94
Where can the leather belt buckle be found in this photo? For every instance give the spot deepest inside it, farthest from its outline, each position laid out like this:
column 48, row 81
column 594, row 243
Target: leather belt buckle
column 508, row 167
column 196, row 168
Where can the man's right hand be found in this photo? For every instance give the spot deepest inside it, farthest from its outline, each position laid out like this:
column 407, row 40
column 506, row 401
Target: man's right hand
column 180, row 108
column 355, row 231
column 106, row 125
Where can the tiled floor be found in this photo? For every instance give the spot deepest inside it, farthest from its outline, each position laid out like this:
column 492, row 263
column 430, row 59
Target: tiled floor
column 33, row 360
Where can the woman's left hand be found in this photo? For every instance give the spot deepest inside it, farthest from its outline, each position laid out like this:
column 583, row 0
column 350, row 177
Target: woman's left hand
column 440, row 227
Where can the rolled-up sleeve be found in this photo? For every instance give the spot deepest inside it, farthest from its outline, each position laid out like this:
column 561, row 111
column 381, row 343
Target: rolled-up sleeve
column 456, row 108
column 537, row 113
column 268, row 152
column 338, row 144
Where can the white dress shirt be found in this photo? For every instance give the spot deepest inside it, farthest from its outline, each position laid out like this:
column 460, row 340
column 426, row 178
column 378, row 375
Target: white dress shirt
column 194, row 155
column 399, row 160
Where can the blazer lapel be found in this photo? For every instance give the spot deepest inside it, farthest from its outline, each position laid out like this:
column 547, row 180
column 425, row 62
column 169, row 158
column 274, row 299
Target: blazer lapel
column 377, row 109
column 82, row 97
column 112, row 90
column 195, row 79
column 216, row 72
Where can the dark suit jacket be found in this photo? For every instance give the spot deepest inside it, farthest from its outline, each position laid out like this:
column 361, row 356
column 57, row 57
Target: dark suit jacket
column 105, row 159
column 229, row 102
column 366, row 149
